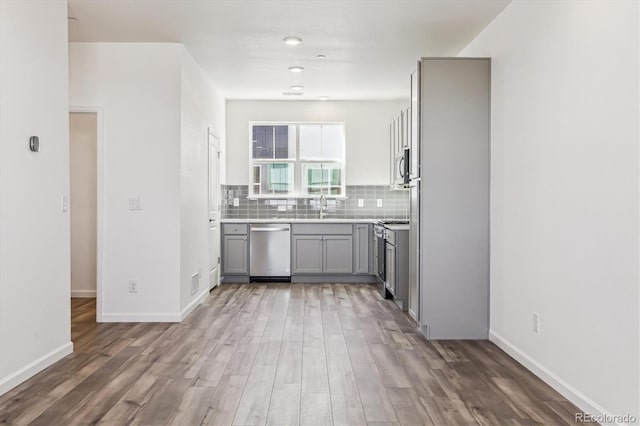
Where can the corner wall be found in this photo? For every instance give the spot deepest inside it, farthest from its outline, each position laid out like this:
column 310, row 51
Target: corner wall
column 35, row 329
column 565, row 195
column 138, row 87
column 202, row 108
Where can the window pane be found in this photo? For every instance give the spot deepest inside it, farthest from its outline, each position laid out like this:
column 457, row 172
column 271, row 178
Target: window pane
column 318, row 178
column 262, row 141
column 272, row 178
column 333, row 142
column 310, row 142
column 285, row 142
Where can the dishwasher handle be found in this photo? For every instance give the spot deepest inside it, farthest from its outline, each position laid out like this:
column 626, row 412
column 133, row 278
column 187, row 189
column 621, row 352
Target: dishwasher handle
column 268, row 229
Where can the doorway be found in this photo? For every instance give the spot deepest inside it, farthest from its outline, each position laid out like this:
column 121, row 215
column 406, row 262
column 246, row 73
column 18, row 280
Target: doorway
column 84, row 214
column 214, row 210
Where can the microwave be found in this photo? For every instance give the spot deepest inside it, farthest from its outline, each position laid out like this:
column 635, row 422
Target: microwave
column 402, row 168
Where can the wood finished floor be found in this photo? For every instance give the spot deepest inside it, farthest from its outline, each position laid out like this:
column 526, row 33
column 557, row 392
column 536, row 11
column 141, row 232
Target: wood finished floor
column 280, row 354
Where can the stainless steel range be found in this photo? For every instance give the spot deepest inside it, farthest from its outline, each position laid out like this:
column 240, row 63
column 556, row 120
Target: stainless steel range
column 386, row 256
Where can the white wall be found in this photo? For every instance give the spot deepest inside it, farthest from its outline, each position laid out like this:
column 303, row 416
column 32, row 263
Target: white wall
column 366, row 127
column 202, row 108
column 138, row 86
column 564, row 215
column 34, row 232
column 83, row 144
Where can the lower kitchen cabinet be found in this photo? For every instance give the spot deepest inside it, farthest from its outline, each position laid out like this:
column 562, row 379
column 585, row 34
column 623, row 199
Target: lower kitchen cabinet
column 361, row 255
column 307, row 254
column 316, row 254
column 339, row 250
column 338, row 254
column 235, row 254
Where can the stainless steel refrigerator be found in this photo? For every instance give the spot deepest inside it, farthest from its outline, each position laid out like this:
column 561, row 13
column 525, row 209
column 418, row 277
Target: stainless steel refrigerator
column 449, row 197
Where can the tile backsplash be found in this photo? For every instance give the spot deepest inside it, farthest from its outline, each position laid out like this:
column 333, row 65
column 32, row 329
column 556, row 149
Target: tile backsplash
column 395, row 204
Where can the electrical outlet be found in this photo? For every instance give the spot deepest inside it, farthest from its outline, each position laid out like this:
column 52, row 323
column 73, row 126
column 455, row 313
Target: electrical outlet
column 236, row 202
column 360, row 202
column 65, row 203
column 379, row 202
column 133, row 286
column 282, row 208
column 536, row 322
column 195, row 283
column 134, row 203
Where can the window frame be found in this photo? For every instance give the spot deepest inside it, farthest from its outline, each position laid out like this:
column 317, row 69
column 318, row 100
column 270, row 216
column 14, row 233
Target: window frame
column 297, row 162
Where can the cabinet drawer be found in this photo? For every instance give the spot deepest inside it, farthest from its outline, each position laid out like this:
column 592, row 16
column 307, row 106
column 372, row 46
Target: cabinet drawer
column 234, row 229
column 323, row 229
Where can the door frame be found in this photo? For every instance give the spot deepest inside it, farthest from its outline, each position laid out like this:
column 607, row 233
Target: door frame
column 99, row 111
column 213, row 138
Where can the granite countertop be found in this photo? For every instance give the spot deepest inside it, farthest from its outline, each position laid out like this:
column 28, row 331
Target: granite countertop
column 293, row 220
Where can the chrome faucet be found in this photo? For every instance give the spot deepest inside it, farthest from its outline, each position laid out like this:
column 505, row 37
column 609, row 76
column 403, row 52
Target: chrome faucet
column 323, row 206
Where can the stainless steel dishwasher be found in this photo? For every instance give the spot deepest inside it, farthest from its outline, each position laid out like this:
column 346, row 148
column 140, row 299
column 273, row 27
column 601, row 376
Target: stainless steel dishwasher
column 270, row 252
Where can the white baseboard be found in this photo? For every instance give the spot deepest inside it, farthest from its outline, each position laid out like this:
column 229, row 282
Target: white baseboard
column 83, row 293
column 12, row 380
column 131, row 317
column 193, row 305
column 565, row 389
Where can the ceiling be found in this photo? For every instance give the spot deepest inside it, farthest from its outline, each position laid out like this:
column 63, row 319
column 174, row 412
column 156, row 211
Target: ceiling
column 371, row 46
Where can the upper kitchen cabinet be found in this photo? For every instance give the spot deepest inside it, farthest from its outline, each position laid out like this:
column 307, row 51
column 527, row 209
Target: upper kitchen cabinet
column 400, row 139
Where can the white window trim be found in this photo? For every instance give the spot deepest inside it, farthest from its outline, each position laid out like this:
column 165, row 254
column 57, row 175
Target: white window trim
column 297, row 162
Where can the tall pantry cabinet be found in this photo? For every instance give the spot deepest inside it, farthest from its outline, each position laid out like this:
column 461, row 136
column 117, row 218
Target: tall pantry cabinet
column 449, row 185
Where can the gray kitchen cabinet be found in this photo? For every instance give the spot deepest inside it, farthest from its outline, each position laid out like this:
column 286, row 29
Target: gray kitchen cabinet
column 307, row 254
column 450, row 196
column 337, row 256
column 361, row 235
column 325, row 248
column 235, row 254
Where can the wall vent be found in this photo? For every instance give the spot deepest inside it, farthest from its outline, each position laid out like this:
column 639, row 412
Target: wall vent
column 195, row 283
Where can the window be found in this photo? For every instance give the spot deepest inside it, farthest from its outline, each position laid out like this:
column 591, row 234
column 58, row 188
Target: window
column 297, row 159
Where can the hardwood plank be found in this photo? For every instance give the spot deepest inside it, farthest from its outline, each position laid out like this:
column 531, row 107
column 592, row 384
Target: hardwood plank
column 225, row 401
column 289, row 369
column 314, row 370
column 374, row 397
column 315, row 409
column 254, row 404
column 284, row 407
column 346, row 405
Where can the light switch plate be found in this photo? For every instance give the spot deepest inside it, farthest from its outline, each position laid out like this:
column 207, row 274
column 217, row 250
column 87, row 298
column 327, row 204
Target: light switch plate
column 65, row 203
column 360, row 202
column 379, row 202
column 236, row 202
column 134, row 203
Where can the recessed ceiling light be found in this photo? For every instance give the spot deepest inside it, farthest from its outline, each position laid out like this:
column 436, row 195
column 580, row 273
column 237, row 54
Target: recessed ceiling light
column 297, row 88
column 324, row 98
column 292, row 41
column 321, row 56
column 292, row 93
column 296, row 69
